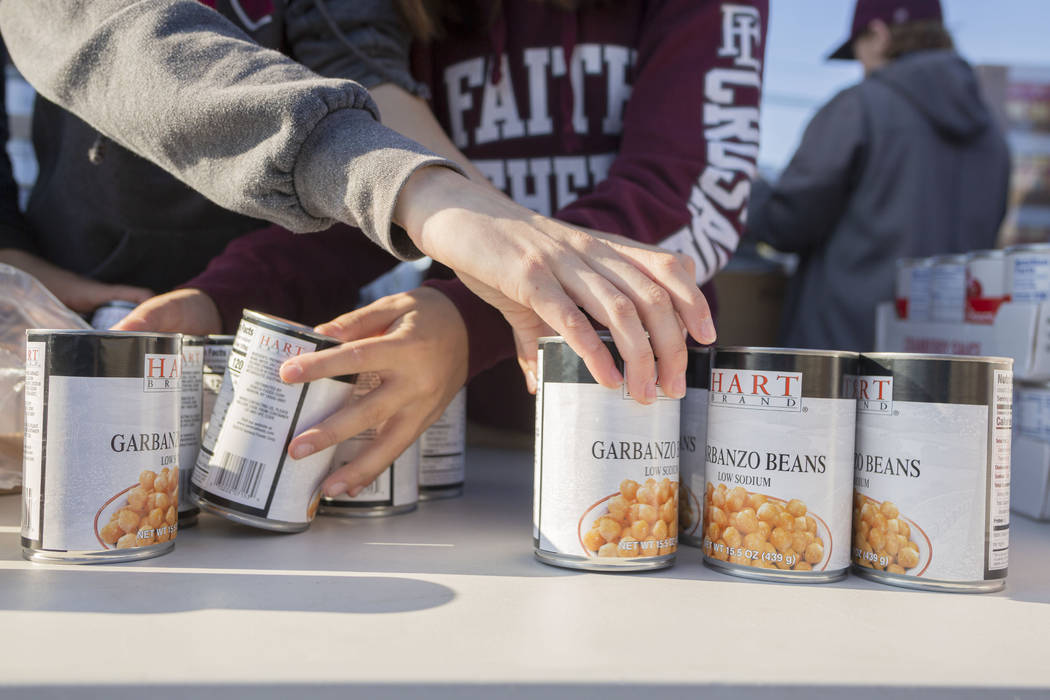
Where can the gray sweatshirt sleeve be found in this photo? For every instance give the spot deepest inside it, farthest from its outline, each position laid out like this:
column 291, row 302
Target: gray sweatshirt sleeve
column 252, row 130
column 802, row 209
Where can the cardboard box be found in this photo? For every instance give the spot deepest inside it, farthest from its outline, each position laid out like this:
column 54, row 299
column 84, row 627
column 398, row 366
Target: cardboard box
column 1020, row 331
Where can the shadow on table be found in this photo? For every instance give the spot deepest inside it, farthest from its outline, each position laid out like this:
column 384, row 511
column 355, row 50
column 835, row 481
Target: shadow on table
column 141, row 592
column 546, row 691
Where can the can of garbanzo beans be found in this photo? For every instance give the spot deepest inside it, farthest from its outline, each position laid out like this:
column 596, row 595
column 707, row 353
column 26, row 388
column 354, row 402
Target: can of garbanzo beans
column 780, row 430
column 606, row 476
column 691, row 447
column 244, row 472
column 932, row 471
column 442, row 452
column 394, row 491
column 216, row 357
column 190, row 412
column 101, row 445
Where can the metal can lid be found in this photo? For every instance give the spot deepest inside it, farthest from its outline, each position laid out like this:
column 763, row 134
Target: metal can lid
column 1029, row 248
column 934, row 356
column 951, row 259
column 101, row 333
column 192, row 340
column 215, row 339
column 809, row 352
column 984, row 254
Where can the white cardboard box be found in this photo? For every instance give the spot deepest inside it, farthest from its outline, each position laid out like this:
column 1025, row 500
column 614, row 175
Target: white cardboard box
column 1030, row 477
column 1020, row 331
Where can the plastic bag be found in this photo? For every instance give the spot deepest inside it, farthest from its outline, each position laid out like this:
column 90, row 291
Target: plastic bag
column 24, row 303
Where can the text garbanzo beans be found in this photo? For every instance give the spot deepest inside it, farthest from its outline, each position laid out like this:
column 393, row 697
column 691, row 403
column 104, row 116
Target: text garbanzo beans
column 881, row 537
column 640, row 521
column 150, row 514
column 752, row 529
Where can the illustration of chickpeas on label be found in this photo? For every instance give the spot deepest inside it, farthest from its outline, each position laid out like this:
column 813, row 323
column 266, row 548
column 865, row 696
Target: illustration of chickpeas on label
column 882, row 538
column 762, row 531
column 149, row 515
column 639, row 521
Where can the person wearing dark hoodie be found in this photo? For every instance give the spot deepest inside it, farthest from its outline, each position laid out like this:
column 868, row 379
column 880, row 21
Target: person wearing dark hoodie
column 907, row 163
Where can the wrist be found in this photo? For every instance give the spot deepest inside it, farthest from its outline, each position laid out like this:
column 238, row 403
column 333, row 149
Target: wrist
column 427, row 191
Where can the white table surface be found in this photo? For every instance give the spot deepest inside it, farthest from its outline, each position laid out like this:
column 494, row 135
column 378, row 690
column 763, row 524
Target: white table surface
column 449, row 602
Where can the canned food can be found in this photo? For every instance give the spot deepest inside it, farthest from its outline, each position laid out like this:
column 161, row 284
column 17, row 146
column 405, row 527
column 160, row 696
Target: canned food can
column 691, row 444
column 1028, row 272
column 1032, row 410
column 101, row 445
column 605, row 494
column 919, row 303
column 780, row 432
column 985, row 285
column 244, row 472
column 932, row 471
column 110, row 314
column 442, row 466
column 190, row 412
column 948, row 289
column 216, row 356
column 394, row 491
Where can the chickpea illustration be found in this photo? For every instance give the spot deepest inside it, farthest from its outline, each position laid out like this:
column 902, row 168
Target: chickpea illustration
column 881, row 537
column 759, row 530
column 149, row 514
column 639, row 521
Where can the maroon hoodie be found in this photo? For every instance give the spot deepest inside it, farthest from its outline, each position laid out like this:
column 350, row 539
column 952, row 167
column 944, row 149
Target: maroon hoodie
column 637, row 118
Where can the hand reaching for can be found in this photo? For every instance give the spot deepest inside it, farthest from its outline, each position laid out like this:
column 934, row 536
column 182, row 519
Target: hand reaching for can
column 181, row 311
column 417, row 343
column 539, row 271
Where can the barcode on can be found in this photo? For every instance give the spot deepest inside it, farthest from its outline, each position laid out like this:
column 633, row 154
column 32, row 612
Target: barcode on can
column 237, row 475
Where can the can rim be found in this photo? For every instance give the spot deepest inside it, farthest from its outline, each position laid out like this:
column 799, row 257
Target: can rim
column 934, row 356
column 101, row 333
column 260, row 316
column 990, row 253
column 1027, row 246
column 809, row 352
column 604, row 335
column 189, row 339
column 219, row 339
column 950, row 258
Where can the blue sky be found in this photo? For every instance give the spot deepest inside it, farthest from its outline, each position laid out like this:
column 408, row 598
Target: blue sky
column 802, row 32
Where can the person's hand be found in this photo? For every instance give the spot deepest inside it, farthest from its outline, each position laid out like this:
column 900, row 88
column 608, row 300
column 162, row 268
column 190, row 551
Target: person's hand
column 417, row 343
column 79, row 293
column 182, row 311
column 539, row 272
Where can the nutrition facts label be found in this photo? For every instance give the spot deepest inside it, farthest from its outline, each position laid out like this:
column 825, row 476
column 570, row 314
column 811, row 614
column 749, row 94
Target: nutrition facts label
column 1031, row 277
column 34, row 438
column 999, row 498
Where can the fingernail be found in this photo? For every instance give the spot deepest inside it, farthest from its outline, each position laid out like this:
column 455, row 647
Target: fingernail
column 301, row 450
column 336, row 489
column 650, row 391
column 707, row 331
column 678, row 387
column 291, row 371
column 356, row 490
column 530, row 381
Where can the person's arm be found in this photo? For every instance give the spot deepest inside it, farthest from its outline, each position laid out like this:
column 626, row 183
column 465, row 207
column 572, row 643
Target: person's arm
column 803, row 207
column 258, row 133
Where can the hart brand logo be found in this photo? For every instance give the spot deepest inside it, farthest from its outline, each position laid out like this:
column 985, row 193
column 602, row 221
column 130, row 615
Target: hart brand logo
column 162, row 373
column 874, row 394
column 281, row 346
column 768, row 391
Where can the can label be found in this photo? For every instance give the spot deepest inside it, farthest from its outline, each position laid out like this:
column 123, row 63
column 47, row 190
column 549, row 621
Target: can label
column 932, row 485
column 397, row 485
column 243, row 463
column 189, row 419
column 778, row 466
column 1029, row 276
column 216, row 357
column 1032, row 412
column 920, row 290
column 985, row 288
column 105, row 451
column 948, row 292
column 692, row 441
column 606, row 467
column 443, row 447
